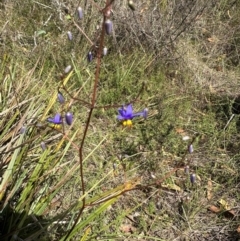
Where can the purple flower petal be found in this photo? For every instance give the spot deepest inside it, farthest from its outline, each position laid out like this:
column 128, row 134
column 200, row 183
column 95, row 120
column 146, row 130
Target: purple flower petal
column 120, row 117
column 143, row 113
column 56, row 119
column 129, row 110
column 121, row 112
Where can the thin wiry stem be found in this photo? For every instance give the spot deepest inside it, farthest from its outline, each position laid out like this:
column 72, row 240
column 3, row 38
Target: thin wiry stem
column 93, row 102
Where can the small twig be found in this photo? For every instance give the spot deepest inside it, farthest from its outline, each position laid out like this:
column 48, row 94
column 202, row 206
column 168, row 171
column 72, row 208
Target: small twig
column 231, row 118
column 89, row 40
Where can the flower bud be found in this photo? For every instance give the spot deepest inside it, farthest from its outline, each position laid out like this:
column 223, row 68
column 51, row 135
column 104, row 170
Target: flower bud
column 69, row 118
column 108, row 26
column 190, row 149
column 89, row 56
column 153, row 176
column 23, row 129
column 39, row 125
column 186, row 169
column 131, row 5
column 69, row 34
column 105, row 50
column 185, row 138
column 60, row 98
column 193, row 178
column 67, row 69
column 145, row 113
column 43, row 146
column 80, row 12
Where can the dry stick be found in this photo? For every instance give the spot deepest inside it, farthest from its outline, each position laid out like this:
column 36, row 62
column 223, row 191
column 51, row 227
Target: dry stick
column 89, row 40
column 93, row 101
column 74, row 97
column 231, row 118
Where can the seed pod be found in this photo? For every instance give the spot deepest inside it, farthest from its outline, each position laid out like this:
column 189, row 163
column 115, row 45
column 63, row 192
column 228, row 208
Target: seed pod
column 69, row 118
column 89, row 56
column 131, row 5
column 190, row 149
column 193, row 178
column 108, row 26
column 67, row 69
column 69, row 34
column 60, row 98
column 105, row 50
column 80, row 12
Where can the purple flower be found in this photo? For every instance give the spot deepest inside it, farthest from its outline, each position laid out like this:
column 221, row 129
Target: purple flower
column 126, row 114
column 56, row 120
column 69, row 118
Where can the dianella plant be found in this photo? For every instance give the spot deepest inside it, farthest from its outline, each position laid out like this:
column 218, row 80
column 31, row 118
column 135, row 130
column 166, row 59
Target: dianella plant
column 101, row 122
column 35, row 150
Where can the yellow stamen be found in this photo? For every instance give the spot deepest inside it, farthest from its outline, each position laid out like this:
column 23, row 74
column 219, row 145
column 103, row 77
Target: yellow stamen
column 127, row 123
column 56, row 126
